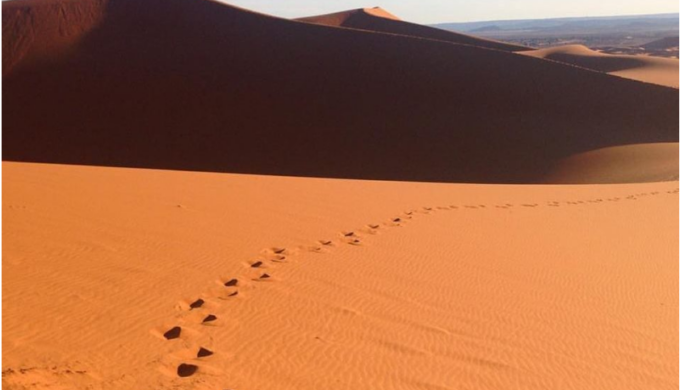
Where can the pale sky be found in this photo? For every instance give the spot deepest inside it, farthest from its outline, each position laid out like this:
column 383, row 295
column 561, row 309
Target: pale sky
column 440, row 11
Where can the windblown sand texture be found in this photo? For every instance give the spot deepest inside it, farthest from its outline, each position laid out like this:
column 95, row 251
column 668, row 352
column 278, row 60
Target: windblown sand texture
column 148, row 246
column 372, row 285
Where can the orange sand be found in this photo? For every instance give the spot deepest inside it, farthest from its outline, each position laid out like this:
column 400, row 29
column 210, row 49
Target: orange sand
column 529, row 287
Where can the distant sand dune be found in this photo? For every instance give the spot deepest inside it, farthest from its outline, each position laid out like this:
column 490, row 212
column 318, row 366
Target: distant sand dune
column 662, row 71
column 377, row 19
column 200, row 85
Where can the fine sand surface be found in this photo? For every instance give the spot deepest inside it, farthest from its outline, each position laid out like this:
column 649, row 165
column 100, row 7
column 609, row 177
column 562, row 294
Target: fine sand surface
column 662, row 71
column 379, row 20
column 200, row 85
column 447, row 286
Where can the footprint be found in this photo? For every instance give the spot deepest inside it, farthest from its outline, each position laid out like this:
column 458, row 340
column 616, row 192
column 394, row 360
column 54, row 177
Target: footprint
column 348, row 234
column 396, row 220
column 355, row 242
column 209, row 318
column 278, row 251
column 203, row 352
column 184, row 370
column 264, row 276
column 231, row 283
column 173, row 333
column 326, row 242
column 196, row 304
column 256, row 264
column 279, row 259
column 374, row 226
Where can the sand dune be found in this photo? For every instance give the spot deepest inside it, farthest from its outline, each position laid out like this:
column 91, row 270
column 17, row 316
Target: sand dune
column 377, row 19
column 449, row 286
column 662, row 71
column 199, row 85
column 620, row 164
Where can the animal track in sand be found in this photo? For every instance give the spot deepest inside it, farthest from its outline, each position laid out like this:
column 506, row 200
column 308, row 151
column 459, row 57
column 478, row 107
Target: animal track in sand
column 203, row 352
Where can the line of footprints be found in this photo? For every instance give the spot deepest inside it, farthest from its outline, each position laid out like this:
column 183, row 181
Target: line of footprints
column 279, row 255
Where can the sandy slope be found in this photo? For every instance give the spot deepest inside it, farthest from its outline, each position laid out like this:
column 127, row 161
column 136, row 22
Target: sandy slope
column 620, row 164
column 379, row 20
column 662, row 71
column 199, row 85
column 529, row 287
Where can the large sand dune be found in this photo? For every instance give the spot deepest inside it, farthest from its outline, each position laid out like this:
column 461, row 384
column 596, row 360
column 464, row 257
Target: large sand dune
column 377, row 19
column 200, row 85
column 662, row 71
column 449, row 286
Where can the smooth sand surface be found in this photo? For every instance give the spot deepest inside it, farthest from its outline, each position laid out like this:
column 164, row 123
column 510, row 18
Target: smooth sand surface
column 480, row 287
column 378, row 20
column 203, row 86
column 655, row 70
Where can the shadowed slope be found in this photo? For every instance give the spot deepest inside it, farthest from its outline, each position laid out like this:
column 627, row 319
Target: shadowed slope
column 199, row 85
column 620, row 164
column 377, row 19
column 662, row 71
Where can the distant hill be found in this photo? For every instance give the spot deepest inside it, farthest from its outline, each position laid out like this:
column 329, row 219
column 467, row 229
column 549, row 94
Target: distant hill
column 581, row 25
column 379, row 20
column 663, row 43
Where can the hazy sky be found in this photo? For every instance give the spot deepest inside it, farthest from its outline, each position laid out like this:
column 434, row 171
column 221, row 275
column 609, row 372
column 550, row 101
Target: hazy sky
column 435, row 11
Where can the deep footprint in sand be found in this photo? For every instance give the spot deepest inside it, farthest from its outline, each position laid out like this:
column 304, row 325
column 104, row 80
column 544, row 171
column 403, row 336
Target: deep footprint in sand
column 210, row 318
column 184, row 370
column 196, row 304
column 231, row 283
column 203, row 352
column 173, row 333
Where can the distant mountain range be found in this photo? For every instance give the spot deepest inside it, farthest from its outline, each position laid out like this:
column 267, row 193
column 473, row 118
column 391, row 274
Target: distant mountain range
column 580, row 25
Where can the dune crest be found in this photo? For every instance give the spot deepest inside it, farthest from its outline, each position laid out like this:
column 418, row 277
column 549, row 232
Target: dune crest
column 200, row 85
column 378, row 20
column 662, row 71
